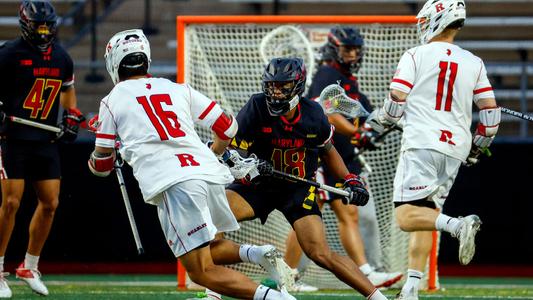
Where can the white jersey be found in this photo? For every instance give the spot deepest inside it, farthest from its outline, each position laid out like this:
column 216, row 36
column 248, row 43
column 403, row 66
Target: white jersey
column 154, row 119
column 442, row 80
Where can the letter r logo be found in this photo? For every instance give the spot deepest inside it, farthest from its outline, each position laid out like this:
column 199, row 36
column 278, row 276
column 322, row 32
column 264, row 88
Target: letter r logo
column 439, row 7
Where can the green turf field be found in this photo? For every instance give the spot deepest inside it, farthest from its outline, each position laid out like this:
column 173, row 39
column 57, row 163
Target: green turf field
column 111, row 287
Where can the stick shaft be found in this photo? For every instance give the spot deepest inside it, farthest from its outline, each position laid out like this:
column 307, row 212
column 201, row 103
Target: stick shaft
column 34, row 124
column 328, row 188
column 129, row 211
column 517, row 114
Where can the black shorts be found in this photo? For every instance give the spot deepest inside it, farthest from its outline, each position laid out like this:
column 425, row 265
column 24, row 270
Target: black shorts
column 295, row 200
column 29, row 160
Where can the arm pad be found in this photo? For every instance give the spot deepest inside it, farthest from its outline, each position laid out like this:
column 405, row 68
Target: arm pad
column 392, row 110
column 101, row 164
column 225, row 127
column 489, row 121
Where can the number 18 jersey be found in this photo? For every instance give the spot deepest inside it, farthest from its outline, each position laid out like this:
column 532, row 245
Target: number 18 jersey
column 154, row 119
column 442, row 80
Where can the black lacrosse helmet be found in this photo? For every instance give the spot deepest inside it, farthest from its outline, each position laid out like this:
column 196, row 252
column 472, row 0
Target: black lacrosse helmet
column 345, row 36
column 287, row 75
column 38, row 23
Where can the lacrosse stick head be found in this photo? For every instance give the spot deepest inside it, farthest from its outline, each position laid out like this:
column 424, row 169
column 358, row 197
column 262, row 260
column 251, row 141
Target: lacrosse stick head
column 333, row 99
column 288, row 41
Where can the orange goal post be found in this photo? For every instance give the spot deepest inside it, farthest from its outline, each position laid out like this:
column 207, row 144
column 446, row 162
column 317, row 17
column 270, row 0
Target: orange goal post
column 224, row 56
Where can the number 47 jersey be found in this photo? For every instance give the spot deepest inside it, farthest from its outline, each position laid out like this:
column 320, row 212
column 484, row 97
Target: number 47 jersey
column 154, row 119
column 442, row 81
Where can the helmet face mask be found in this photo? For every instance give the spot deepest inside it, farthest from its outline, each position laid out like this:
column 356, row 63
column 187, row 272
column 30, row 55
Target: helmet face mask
column 283, row 84
column 122, row 44
column 344, row 40
column 436, row 15
column 38, row 23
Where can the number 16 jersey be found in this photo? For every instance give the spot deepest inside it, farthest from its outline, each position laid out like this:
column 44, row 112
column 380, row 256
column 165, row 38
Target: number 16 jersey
column 154, row 119
column 442, row 80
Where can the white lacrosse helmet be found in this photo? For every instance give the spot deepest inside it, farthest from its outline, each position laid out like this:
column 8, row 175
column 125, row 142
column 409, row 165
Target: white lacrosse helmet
column 120, row 45
column 436, row 15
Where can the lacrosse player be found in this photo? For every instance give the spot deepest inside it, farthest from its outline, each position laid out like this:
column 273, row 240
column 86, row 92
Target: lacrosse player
column 154, row 119
column 36, row 78
column 342, row 57
column 291, row 132
column 433, row 90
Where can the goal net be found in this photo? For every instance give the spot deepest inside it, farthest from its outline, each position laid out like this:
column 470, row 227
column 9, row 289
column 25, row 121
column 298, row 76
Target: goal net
column 224, row 57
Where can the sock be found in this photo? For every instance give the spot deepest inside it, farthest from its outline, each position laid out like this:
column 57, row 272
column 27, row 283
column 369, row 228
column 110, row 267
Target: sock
column 31, row 261
column 366, row 269
column 212, row 295
column 265, row 293
column 376, row 295
column 245, row 253
column 448, row 224
column 413, row 279
column 1, row 264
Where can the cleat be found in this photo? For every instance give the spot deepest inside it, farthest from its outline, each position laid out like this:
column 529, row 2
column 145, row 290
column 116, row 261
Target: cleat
column 272, row 261
column 411, row 295
column 33, row 279
column 5, row 291
column 467, row 238
column 300, row 286
column 382, row 279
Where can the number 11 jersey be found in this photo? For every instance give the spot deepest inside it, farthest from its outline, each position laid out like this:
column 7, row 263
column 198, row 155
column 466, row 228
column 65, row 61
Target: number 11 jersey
column 442, row 81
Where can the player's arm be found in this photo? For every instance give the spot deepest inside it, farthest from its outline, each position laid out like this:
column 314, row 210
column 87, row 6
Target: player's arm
column 359, row 195
column 102, row 159
column 489, row 112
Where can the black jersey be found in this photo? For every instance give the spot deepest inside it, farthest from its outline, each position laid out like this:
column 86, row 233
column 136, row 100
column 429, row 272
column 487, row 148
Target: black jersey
column 291, row 146
column 330, row 74
column 31, row 82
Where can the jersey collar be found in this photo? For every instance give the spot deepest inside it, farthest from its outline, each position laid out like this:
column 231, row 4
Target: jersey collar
column 295, row 119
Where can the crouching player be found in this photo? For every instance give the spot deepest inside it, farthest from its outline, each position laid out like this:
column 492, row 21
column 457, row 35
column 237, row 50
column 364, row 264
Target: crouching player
column 154, row 119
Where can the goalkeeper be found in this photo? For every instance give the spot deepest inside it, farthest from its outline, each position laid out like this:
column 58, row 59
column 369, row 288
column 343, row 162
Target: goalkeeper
column 342, row 57
column 291, row 132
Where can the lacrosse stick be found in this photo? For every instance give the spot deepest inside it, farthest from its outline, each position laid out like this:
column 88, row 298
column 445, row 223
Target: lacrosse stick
column 288, row 41
column 374, row 140
column 333, row 99
column 33, row 124
column 119, row 162
column 517, row 114
column 266, row 169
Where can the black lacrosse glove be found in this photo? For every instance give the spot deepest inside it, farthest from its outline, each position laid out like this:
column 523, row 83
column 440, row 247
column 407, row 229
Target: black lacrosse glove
column 358, row 193
column 366, row 138
column 72, row 118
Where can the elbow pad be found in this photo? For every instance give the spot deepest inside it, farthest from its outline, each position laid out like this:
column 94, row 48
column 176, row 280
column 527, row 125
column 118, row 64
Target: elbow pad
column 101, row 165
column 225, row 127
column 392, row 110
column 489, row 121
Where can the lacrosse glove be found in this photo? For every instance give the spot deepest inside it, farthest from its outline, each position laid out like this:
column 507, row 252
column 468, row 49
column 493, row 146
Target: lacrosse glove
column 358, row 193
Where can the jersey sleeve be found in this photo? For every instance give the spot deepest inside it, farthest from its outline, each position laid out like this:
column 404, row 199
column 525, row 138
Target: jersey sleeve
column 404, row 77
column 483, row 88
column 326, row 132
column 246, row 118
column 106, row 133
column 68, row 78
column 204, row 111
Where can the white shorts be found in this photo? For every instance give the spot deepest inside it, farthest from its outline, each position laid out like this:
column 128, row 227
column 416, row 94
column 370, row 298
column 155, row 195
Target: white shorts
column 424, row 174
column 192, row 212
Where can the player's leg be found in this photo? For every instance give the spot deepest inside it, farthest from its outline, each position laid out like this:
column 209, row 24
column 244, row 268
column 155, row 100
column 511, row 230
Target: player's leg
column 353, row 244
column 40, row 226
column 267, row 256
column 203, row 271
column 311, row 236
column 12, row 190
